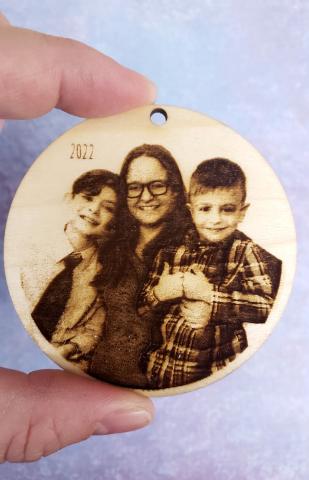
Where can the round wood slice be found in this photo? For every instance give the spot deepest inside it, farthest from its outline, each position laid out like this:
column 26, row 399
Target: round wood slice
column 130, row 330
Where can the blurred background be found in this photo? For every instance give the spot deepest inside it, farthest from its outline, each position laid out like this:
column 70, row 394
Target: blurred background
column 246, row 64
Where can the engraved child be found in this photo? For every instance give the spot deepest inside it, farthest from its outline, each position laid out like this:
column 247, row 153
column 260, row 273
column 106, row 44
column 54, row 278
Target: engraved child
column 205, row 290
column 70, row 313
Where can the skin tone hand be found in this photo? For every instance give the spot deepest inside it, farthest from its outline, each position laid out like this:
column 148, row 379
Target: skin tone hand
column 196, row 312
column 170, row 286
column 196, row 286
column 46, row 410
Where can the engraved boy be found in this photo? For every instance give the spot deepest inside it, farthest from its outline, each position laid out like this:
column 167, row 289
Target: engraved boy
column 205, row 290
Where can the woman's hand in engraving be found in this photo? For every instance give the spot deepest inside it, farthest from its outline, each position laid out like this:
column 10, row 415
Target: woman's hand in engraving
column 46, row 410
column 170, row 286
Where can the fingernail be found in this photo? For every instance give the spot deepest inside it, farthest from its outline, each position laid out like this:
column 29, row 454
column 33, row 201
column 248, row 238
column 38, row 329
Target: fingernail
column 123, row 421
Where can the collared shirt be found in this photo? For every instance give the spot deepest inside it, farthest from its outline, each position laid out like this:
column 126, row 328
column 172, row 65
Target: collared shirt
column 80, row 326
column 244, row 280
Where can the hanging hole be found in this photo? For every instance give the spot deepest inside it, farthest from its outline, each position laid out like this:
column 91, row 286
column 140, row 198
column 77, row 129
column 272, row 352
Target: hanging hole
column 158, row 116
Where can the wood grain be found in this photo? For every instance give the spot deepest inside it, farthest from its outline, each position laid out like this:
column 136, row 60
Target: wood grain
column 35, row 241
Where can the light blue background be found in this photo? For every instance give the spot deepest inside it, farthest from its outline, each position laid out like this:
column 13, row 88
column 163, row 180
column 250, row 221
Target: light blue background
column 244, row 62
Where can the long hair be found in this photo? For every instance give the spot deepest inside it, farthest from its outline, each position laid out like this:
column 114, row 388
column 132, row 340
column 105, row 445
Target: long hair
column 116, row 259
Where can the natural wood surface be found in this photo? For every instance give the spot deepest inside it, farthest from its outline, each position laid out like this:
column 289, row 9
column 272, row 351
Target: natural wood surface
column 35, row 240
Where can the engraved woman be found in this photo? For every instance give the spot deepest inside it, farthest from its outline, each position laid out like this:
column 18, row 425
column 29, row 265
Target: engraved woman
column 154, row 215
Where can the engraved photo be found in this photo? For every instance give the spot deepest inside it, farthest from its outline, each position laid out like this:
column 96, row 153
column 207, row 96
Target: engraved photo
column 156, row 282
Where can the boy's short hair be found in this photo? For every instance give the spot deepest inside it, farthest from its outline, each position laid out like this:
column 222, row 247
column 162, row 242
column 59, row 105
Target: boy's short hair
column 217, row 173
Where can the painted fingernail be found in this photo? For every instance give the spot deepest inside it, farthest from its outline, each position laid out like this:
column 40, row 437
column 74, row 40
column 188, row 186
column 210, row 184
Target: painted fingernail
column 123, row 421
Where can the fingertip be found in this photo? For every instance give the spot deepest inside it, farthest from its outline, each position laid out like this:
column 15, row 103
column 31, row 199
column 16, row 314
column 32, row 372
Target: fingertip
column 128, row 410
column 144, row 89
column 125, row 420
column 151, row 90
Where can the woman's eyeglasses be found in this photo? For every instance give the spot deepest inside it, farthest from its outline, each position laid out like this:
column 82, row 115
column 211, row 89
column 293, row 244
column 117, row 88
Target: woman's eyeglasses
column 155, row 188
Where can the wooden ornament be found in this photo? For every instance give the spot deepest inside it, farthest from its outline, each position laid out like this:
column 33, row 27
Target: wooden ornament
column 154, row 249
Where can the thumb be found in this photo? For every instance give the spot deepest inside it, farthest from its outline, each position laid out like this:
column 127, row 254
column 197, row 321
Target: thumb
column 47, row 410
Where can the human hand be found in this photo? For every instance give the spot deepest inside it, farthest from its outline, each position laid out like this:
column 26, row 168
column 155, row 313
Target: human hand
column 196, row 286
column 196, row 312
column 46, row 410
column 170, row 286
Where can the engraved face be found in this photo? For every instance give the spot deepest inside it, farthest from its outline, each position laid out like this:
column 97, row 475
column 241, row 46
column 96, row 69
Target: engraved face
column 93, row 213
column 153, row 199
column 217, row 212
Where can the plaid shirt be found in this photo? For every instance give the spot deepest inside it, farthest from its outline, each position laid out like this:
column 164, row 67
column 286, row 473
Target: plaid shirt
column 196, row 339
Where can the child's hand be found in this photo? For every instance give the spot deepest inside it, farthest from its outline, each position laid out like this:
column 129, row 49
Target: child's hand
column 196, row 312
column 170, row 286
column 196, row 286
